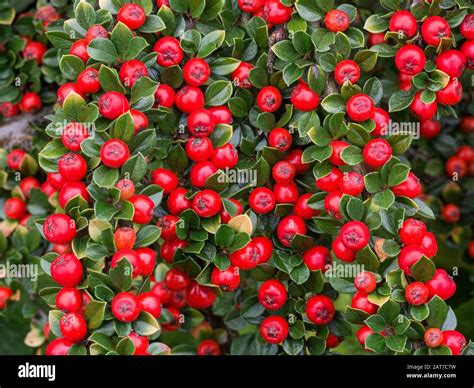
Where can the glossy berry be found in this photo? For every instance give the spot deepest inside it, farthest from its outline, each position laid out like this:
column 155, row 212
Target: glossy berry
column 408, row 256
column 274, row 329
column 251, row 6
column 264, row 246
column 441, row 284
column 365, row 282
column 382, row 122
column 416, row 293
column 169, row 51
column 199, row 149
column 285, row 193
column 295, row 158
column 71, row 190
column 226, row 217
column 280, row 139
column 200, row 172
column 429, row 129
column 303, row 98
column 129, row 255
column 165, row 178
column 96, row 31
column 412, row 231
column 114, row 153
column 140, row 121
column 34, row 51
column 196, row 71
column 165, row 96
column 272, row 294
column 127, row 189
column 352, row 183
column 467, row 26
column 200, row 297
column 283, row 172
column 65, row 90
column 189, row 98
column 177, row 201
column 269, row 99
column 450, row 213
column 146, row 260
column 14, row 208
column 410, row 188
column 289, row 227
column 429, row 245
column 59, row 229
column 331, row 181
column 346, row 71
column 141, row 343
column 433, row 29
column 362, row 334
column 30, row 102
column 331, row 204
column 361, row 302
column 177, row 280
column 208, row 347
column 201, row 123
column 303, row 209
column 125, row 307
column 247, row 257
column 433, row 337
column 225, row 157
column 336, row 20
column 341, row 251
column 73, row 135
column 422, row 110
column 79, row 49
column 451, row 62
column 377, row 152
column 262, row 200
column 454, row 340
column 360, row 107
column 131, row 71
column 124, row 238
column 240, row 76
column 144, row 209
column 112, row 105
column 66, row 270
column 451, row 94
column 207, row 203
column 320, row 309
column 227, row 279
column 167, row 224
column 274, row 12
column 72, row 167
column 410, row 59
column 150, row 303
column 58, row 347
column 468, row 50
column 73, row 327
column 69, row 299
column 403, row 22
column 132, row 15
column 317, row 258
column 221, row 114
column 355, row 235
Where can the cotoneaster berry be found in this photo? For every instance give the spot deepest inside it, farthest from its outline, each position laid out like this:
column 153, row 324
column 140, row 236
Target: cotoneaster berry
column 422, row 110
column 429, row 129
column 416, row 293
column 269, row 99
column 274, row 329
column 412, row 231
column 346, row 71
column 288, row 227
column 147, row 260
column 79, row 49
column 144, row 209
column 201, row 123
column 410, row 188
column 272, row 294
column 294, row 157
column 454, row 340
column 71, row 190
column 360, row 301
column 365, row 282
column 59, row 229
column 207, row 203
column 441, row 284
column 250, row 6
column 127, row 189
column 124, row 238
column 73, row 327
column 165, row 96
column 225, row 156
column 131, row 71
column 27, row 184
column 221, row 114
column 452, row 62
column 178, row 201
column 14, row 208
column 208, row 347
column 167, row 224
column 280, row 139
column 177, row 280
column 320, row 309
column 408, row 256
column 150, row 303
column 189, row 98
column 199, row 149
column 112, row 105
column 377, row 152
column 410, row 59
column 337, row 147
column 265, row 247
column 141, row 343
column 73, row 135
column 196, row 71
column 433, row 29
column 114, row 153
column 200, row 297
column 226, row 217
column 450, row 213
column 303, row 98
column 262, row 200
column 403, row 22
column 125, row 307
column 240, row 76
column 34, row 51
column 169, row 51
column 285, row 193
column 360, row 107
column 451, row 94
column 96, row 31
column 129, row 255
column 331, row 181
column 69, row 299
column 337, row 20
column 165, row 178
column 331, row 203
column 200, row 172
column 433, row 337
column 467, row 27
column 66, row 270
column 227, row 279
column 132, row 15
column 247, row 257
column 302, row 207
column 274, row 12
column 355, row 235
column 140, row 121
column 429, row 245
column 30, row 102
column 58, row 347
column 317, row 258
column 352, row 183
column 72, row 167
column 382, row 122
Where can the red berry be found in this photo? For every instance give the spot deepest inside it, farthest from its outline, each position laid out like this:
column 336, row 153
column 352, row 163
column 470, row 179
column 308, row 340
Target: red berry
column 132, row 15
column 265, row 247
column 199, row 149
column 331, row 204
column 355, row 235
column 58, row 347
column 424, row 111
column 283, row 172
column 467, row 26
column 144, row 209
column 30, row 102
column 71, row 190
column 454, row 340
column 346, row 70
column 177, row 201
column 127, row 189
column 240, row 76
column 196, row 71
column 96, row 31
column 35, row 51
column 410, row 59
column 150, row 303
column 7, row 109
column 294, row 157
column 169, row 51
column 147, row 260
column 72, row 167
column 56, row 180
column 66, row 270
column 455, row 166
column 331, row 181
column 433, row 337
column 47, row 189
column 201, row 123
column 88, row 81
column 302, row 208
column 251, row 6
column 451, row 94
column 410, row 188
column 69, row 299
column 280, row 139
column 200, row 297
column 452, row 62
column 274, row 12
column 130, row 256
column 286, row 193
column 177, row 280
column 59, row 229
column 125, row 307
column 73, row 327
column 262, row 200
column 416, row 293
column 131, row 71
column 429, row 129
column 112, row 105
column 365, row 282
column 352, row 183
column 376, row 38
column 274, row 329
column 221, row 114
column 468, row 50
column 408, row 256
column 14, row 208
column 73, row 135
column 164, row 178
column 226, row 217
column 140, row 121
column 412, row 232
column 289, row 227
column 228, row 279
column 450, row 213
column 403, row 22
column 433, row 29
column 337, row 147
column 377, row 152
column 320, row 309
column 141, row 343
column 429, row 245
column 79, row 49
column 361, row 302
column 165, row 96
column 317, row 258
column 207, row 203
column 27, row 184
column 114, row 153
column 303, row 98
column 360, row 107
column 247, row 257
column 124, row 238
column 382, row 122
column 441, row 284
column 168, row 227
column 269, row 99
column 272, row 294
column 65, row 90
column 225, row 157
column 362, row 334
column 189, row 99
column 336, row 20
column 208, row 347
column 200, row 172
column 333, row 341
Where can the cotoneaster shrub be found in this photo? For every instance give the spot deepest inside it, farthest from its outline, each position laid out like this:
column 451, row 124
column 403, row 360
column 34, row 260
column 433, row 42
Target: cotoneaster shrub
column 213, row 159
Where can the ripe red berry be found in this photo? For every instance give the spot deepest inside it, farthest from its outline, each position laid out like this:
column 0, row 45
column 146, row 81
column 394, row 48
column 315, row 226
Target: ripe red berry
column 7, row 109
column 452, row 62
column 283, row 172
column 35, row 51
column 274, row 12
column 147, row 260
column 441, row 284
column 331, row 204
column 221, row 114
column 429, row 129
column 169, row 51
column 58, row 347
column 365, row 282
column 66, row 270
column 150, row 303
column 59, row 229
column 262, row 200
column 71, row 190
column 144, row 209
column 382, row 122
column 247, row 257
column 302, row 208
column 468, row 50
column 467, row 27
column 165, row 96
column 199, row 149
column 14, row 208
column 317, row 258
column 240, row 76
column 355, row 235
column 303, row 98
column 346, row 70
column 96, row 31
column 124, row 238
column 450, row 213
column 408, row 256
column 177, row 201
column 333, row 341
column 451, row 94
column 30, row 102
column 412, row 231
column 360, row 107
column 27, row 184
column 208, row 347
column 112, row 105
column 320, row 309
column 352, row 183
column 336, row 20
column 456, row 167
column 73, row 327
column 410, row 188
column 377, row 152
column 207, row 203
column 125, row 307
column 200, row 172
column 167, row 224
column 362, row 334
column 274, row 329
column 226, row 217
column 130, row 256
column 140, row 121
column 196, row 71
column 141, row 343
column 73, row 135
column 189, row 99
column 289, row 227
column 165, row 178
column 416, row 293
column 424, row 111
column 177, row 280
column 225, row 156
column 228, row 279
column 201, row 123
column 56, row 180
column 361, row 302
column 331, row 181
column 114, row 153
column 403, row 22
column 269, row 99
column 200, row 297
column 294, row 157
column 72, row 167
column 127, row 189
column 280, row 139
column 79, row 49
column 251, row 6
column 433, row 29
column 429, row 245
column 69, row 299
column 132, row 15
column 454, row 340
column 410, row 59
column 433, row 337
column 272, row 294
column 65, row 90
column 131, row 71
column 285, row 193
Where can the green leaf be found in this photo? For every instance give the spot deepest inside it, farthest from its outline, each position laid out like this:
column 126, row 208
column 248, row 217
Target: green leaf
column 218, row 93
column 376, row 24
column 224, row 236
column 376, row 322
column 105, row 177
column 71, row 66
column 376, row 343
column 102, row 50
column 300, row 274
column 333, row 103
column 352, row 155
column 384, row 199
column 423, row 270
column 146, row 324
column 366, row 59
column 152, row 24
column 285, row 51
column 396, row 343
column 400, row 100
column 210, row 42
column 438, row 312
column 123, row 128
column 109, row 80
column 135, row 167
column 398, row 174
column 85, row 15
column 94, row 314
